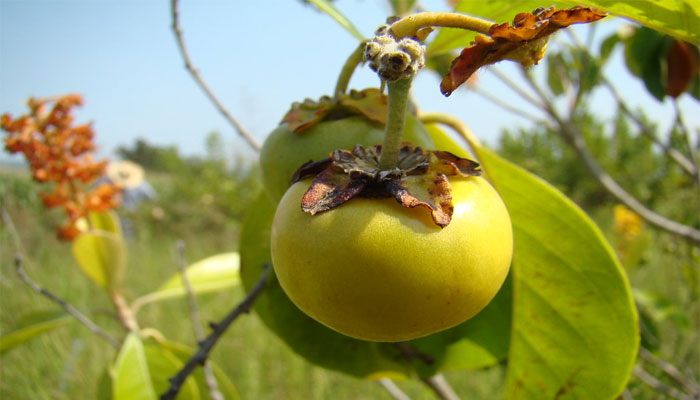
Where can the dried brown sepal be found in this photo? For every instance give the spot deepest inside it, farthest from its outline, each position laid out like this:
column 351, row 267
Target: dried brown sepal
column 330, row 189
column 524, row 41
column 370, row 103
column 420, row 179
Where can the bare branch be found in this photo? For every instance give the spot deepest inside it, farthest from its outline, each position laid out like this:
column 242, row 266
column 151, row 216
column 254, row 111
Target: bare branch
column 506, row 106
column 517, row 89
column 439, row 385
column 657, row 385
column 177, row 31
column 684, row 132
column 205, row 346
column 94, row 328
column 669, row 369
column 575, row 139
column 196, row 320
column 674, row 154
column 393, row 390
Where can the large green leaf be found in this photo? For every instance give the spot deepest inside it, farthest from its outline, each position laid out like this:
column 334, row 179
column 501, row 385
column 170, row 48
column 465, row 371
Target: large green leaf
column 101, row 256
column 328, row 8
column 574, row 328
column 208, row 275
column 679, row 18
column 32, row 325
column 131, row 379
column 107, row 221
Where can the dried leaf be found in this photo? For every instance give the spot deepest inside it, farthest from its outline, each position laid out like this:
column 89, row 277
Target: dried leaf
column 524, row 41
column 370, row 103
column 431, row 190
column 330, row 189
column 449, row 164
column 311, row 168
column 682, row 61
column 304, row 115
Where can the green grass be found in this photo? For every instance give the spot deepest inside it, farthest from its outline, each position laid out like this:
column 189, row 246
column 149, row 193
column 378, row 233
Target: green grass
column 68, row 362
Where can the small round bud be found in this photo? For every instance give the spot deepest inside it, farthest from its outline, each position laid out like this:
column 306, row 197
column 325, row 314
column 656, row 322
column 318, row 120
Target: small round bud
column 392, row 59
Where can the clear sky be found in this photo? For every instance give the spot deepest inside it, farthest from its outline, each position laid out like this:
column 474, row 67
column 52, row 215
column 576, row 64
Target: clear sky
column 257, row 56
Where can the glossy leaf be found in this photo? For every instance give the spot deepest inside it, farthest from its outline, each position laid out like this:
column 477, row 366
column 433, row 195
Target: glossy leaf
column 677, row 18
column 31, row 326
column 208, row 275
column 101, row 256
column 163, row 364
column 574, row 328
column 328, row 8
column 131, row 379
column 183, row 353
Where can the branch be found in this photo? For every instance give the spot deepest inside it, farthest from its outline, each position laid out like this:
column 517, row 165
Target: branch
column 196, row 320
column 177, row 31
column 393, row 390
column 669, row 369
column 44, row 292
column 517, row 89
column 657, row 385
column 506, row 106
column 439, row 385
column 205, row 346
column 575, row 139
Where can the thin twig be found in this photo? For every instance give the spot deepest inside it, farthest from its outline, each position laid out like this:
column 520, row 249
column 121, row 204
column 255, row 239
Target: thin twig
column 516, row 88
column 686, row 136
column 575, row 139
column 504, row 105
column 393, row 390
column 440, row 387
column 94, row 328
column 200, row 82
column 669, row 369
column 205, row 346
column 672, row 153
column 657, row 385
column 196, row 320
column 69, row 309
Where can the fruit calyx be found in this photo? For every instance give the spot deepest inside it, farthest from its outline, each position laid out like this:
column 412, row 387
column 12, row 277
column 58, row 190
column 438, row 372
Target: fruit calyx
column 370, row 103
column 420, row 179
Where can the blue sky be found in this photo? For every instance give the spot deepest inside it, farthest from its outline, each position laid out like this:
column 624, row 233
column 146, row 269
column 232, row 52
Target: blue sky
column 258, row 57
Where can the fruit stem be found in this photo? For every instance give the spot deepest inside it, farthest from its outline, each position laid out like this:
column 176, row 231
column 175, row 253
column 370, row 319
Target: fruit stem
column 395, row 121
column 348, row 69
column 410, row 25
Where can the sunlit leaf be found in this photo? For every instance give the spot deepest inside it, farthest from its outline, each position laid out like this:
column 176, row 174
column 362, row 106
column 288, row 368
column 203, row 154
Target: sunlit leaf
column 163, row 364
column 131, row 379
column 679, row 18
column 402, row 7
column 328, row 8
column 31, row 326
column 205, row 276
column 183, row 353
column 101, row 256
column 107, row 221
column 572, row 308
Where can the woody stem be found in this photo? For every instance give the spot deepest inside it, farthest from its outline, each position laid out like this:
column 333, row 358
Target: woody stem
column 408, row 26
column 395, row 121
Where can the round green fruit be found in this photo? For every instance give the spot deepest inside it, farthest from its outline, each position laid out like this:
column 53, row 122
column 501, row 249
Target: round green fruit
column 374, row 270
column 284, row 151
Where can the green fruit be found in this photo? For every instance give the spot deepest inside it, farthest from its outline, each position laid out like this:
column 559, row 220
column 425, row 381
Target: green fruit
column 285, row 151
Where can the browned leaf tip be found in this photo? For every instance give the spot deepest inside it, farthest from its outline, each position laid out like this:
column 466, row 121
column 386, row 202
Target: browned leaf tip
column 683, row 64
column 420, row 180
column 523, row 41
column 370, row 103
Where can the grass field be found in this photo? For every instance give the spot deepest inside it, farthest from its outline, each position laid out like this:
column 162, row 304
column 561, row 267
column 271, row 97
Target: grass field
column 67, row 363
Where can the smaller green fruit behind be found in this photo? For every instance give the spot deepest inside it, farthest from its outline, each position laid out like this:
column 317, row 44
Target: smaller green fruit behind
column 284, row 151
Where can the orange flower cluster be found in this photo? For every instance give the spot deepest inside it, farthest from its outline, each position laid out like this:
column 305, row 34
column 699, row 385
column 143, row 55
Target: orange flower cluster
column 59, row 152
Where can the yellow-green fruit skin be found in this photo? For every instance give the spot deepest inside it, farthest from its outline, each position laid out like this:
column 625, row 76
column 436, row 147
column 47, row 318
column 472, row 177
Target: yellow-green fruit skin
column 374, row 270
column 285, row 151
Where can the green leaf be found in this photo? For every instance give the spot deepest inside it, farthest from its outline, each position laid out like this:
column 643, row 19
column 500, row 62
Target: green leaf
column 107, row 221
column 311, row 340
column 677, row 18
column 328, row 8
column 208, row 275
column 31, row 326
column 131, row 379
column 645, row 54
column 557, row 73
column 574, row 328
column 402, row 7
column 101, row 256
column 163, row 364
column 183, row 353
column 607, row 46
